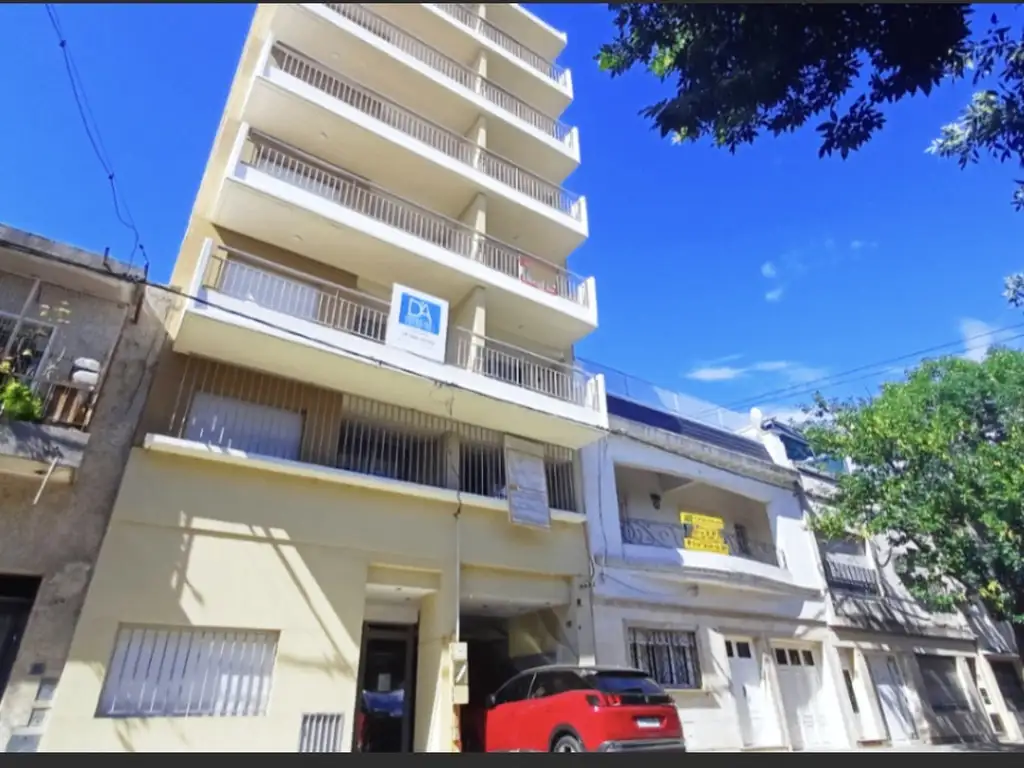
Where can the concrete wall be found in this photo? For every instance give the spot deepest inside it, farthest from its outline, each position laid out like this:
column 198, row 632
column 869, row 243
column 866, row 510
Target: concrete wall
column 58, row 539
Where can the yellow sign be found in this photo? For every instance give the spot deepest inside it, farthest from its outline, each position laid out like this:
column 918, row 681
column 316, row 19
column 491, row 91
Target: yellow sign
column 705, row 533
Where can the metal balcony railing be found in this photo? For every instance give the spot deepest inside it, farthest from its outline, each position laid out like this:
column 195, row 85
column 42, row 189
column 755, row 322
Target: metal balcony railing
column 249, row 278
column 355, row 193
column 655, row 533
column 499, row 37
column 263, row 415
column 423, row 130
column 271, row 286
column 510, row 364
column 452, row 69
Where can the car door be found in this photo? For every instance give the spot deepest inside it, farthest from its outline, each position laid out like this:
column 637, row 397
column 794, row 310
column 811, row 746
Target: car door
column 533, row 716
column 501, row 728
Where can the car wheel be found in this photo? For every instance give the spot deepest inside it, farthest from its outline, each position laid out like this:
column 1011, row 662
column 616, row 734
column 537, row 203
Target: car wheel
column 567, row 743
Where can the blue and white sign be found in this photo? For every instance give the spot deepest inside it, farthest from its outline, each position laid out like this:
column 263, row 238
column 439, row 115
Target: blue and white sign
column 417, row 323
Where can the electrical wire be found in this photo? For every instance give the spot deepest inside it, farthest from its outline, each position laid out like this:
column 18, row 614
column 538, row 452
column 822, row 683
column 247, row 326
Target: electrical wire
column 92, row 132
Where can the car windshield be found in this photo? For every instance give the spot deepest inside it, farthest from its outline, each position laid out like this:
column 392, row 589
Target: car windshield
column 623, row 682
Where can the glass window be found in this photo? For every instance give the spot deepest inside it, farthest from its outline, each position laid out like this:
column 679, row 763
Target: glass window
column 515, row 689
column 728, row 648
column 623, row 682
column 668, row 656
column 794, row 657
column 780, row 656
column 808, row 658
column 743, row 650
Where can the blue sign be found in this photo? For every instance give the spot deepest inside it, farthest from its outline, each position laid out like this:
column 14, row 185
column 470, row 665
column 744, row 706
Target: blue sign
column 416, row 312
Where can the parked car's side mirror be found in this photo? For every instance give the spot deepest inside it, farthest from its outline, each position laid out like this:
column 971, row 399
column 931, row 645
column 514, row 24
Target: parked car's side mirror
column 491, row 701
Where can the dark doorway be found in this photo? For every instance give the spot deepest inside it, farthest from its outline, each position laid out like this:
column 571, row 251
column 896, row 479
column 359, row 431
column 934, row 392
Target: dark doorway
column 17, row 593
column 490, row 667
column 387, row 689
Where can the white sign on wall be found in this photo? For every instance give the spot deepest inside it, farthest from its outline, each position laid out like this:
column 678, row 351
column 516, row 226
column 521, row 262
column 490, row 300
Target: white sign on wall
column 526, row 482
column 417, row 323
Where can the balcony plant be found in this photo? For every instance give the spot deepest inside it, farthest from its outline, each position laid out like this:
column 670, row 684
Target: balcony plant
column 17, row 400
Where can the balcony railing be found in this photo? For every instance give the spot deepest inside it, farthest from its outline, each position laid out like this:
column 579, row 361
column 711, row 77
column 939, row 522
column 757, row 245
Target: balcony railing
column 249, row 278
column 502, row 39
column 357, row 194
column 452, row 69
column 513, row 365
column 433, row 135
column 264, row 415
column 58, row 403
column 848, row 577
column 655, row 533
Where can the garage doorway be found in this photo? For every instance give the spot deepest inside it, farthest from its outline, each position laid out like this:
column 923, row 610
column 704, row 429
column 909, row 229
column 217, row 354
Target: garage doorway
column 803, row 701
column 17, row 593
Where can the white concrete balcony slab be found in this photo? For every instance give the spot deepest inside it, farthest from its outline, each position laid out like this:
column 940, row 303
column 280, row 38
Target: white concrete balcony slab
column 352, row 39
column 253, row 314
column 308, row 105
column 282, row 196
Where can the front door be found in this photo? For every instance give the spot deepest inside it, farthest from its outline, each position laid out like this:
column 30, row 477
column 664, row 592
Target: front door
column 892, row 697
column 387, row 689
column 748, row 690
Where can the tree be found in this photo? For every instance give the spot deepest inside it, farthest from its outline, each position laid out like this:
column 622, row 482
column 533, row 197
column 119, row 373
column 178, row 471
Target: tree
column 939, row 470
column 743, row 70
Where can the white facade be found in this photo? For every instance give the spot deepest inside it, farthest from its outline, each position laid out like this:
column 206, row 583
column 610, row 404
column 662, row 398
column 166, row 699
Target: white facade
column 909, row 676
column 739, row 636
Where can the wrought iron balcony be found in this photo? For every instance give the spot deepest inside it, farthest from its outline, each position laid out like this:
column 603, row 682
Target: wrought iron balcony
column 655, row 533
column 452, row 69
column 502, row 39
column 357, row 194
column 423, row 130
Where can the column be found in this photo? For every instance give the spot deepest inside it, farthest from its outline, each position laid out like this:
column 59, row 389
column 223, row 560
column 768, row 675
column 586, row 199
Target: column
column 581, row 616
column 468, row 331
column 434, row 728
column 477, row 134
column 475, row 217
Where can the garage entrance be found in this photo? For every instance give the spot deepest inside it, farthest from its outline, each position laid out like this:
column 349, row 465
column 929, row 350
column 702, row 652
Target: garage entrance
column 803, row 702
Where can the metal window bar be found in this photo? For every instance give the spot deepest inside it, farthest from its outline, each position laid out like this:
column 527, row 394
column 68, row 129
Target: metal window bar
column 295, row 167
column 848, row 577
column 656, row 533
column 249, row 278
column 321, row 732
column 452, row 69
column 420, row 128
column 192, row 672
column 349, row 432
column 522, row 368
column 669, row 657
column 499, row 37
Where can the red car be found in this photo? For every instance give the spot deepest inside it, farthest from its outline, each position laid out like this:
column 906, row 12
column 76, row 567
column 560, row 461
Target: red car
column 562, row 708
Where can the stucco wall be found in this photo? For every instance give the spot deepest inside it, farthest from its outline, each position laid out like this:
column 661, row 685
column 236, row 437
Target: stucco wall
column 58, row 538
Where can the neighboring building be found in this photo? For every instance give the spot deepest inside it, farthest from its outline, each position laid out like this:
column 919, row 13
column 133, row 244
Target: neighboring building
column 361, row 443
column 78, row 338
column 910, row 676
column 707, row 577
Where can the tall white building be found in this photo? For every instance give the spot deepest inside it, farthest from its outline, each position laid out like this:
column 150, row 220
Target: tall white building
column 358, row 459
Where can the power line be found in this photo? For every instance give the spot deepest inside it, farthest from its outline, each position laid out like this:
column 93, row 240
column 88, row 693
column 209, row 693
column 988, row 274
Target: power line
column 92, row 132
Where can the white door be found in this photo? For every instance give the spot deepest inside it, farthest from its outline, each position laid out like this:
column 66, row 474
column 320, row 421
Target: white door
column 241, row 426
column 802, row 699
column 748, row 689
column 892, row 697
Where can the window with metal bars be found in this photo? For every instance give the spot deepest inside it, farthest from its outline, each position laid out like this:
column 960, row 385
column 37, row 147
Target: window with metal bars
column 668, row 656
column 193, row 672
column 28, row 347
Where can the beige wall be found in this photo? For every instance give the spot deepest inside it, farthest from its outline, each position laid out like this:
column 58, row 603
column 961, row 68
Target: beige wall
column 210, row 545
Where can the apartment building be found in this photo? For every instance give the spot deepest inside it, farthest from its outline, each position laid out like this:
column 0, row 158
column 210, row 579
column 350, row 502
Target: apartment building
column 707, row 577
column 78, row 336
column 910, row 676
column 353, row 504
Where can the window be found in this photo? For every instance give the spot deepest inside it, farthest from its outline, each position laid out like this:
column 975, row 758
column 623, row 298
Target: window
column 29, row 347
column 249, row 427
column 942, row 683
column 554, row 683
column 515, row 689
column 624, row 683
column 808, row 658
column 780, row 657
column 851, row 691
column 373, row 449
column 191, row 672
column 669, row 657
column 740, row 649
column 482, row 470
column 742, row 542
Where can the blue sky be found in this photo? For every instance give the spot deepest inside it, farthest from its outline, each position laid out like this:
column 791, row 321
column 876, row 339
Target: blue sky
column 725, row 276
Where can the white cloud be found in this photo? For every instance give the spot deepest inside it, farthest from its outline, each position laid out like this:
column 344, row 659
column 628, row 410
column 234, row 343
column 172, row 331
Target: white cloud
column 768, row 269
column 774, row 295
column 793, row 373
column 723, row 373
column 979, row 337
column 856, row 245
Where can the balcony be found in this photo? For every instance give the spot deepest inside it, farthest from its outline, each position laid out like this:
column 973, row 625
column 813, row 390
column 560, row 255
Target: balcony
column 362, row 43
column 655, row 533
column 299, row 101
column 469, row 18
column 242, row 414
column 257, row 314
column 284, row 197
